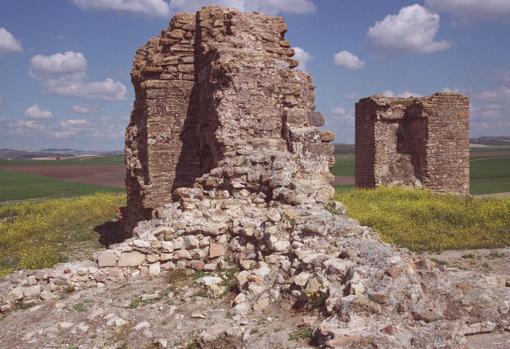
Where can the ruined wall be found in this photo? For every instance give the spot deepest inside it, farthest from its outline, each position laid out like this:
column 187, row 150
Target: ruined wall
column 219, row 104
column 418, row 142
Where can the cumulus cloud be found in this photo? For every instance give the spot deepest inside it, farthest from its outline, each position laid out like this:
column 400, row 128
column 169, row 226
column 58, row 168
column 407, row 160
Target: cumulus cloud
column 69, row 63
column 348, row 60
column 472, row 8
column 266, row 6
column 107, row 89
column 489, row 112
column 65, row 74
column 78, row 109
column 302, row 57
column 341, row 121
column 8, row 43
column 152, row 8
column 405, row 94
column 413, row 29
column 35, row 112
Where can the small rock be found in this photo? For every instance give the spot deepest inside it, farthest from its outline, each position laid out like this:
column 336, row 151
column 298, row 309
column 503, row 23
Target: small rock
column 261, row 304
column 167, row 246
column 106, row 259
column 209, row 280
column 16, row 293
column 391, row 330
column 115, row 321
column 281, row 246
column 216, row 250
column 141, row 244
column 131, row 259
column 198, row 316
column 82, row 327
column 142, row 325
column 32, row 292
column 154, row 269
column 182, row 254
column 65, row 325
column 163, row 343
column 274, row 215
column 213, row 333
column 190, row 242
column 301, row 279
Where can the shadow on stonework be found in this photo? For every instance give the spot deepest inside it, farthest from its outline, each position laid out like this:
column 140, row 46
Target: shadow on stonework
column 198, row 154
column 111, row 232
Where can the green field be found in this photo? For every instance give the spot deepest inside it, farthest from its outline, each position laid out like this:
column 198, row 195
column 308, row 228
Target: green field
column 106, row 160
column 489, row 175
column 344, row 166
column 22, row 186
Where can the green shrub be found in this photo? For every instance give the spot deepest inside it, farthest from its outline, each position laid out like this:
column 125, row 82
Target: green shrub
column 423, row 220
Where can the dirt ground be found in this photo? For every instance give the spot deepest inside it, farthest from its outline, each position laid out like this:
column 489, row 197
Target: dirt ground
column 343, row 180
column 493, row 262
column 110, row 175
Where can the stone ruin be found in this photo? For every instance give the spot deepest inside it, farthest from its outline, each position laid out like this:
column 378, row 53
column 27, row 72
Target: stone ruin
column 417, row 142
column 219, row 105
column 230, row 173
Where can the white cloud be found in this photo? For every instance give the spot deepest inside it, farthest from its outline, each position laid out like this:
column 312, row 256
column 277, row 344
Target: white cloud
column 74, row 122
column 65, row 74
column 107, row 89
column 405, row 94
column 413, row 29
column 472, row 8
column 8, row 43
column 348, row 60
column 69, row 63
column 78, row 109
column 265, row 6
column 302, row 57
column 489, row 113
column 35, row 112
column 153, row 8
column 23, row 127
column 343, row 116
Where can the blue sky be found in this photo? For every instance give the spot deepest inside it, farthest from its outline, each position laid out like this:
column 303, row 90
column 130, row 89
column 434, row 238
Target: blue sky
column 64, row 64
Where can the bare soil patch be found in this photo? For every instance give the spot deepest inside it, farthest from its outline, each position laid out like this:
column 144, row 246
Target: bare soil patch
column 110, row 175
column 343, row 180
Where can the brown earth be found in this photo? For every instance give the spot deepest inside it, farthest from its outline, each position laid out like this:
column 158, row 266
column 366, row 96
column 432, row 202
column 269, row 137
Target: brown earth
column 110, row 175
column 343, row 180
column 492, row 154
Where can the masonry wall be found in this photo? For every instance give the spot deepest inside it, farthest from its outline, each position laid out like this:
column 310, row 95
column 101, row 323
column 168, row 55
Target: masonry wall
column 416, row 142
column 220, row 104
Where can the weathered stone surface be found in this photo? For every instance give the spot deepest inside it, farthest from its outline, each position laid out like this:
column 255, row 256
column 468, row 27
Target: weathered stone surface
column 106, row 259
column 131, row 259
column 416, row 142
column 185, row 121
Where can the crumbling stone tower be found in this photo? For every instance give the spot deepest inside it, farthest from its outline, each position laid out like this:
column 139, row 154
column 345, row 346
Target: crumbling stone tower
column 219, row 104
column 418, row 142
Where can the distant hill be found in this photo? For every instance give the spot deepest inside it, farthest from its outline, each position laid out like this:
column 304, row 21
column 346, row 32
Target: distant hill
column 491, row 141
column 6, row 154
column 344, row 148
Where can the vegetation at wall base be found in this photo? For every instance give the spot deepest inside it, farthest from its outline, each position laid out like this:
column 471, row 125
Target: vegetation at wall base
column 40, row 234
column 425, row 221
